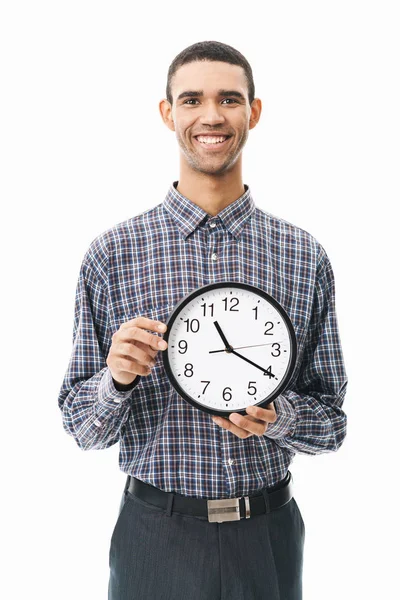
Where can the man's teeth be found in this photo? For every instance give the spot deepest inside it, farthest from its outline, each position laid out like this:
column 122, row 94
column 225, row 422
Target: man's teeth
column 211, row 140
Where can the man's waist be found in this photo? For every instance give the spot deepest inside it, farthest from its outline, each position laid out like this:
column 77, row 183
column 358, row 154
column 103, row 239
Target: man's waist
column 215, row 509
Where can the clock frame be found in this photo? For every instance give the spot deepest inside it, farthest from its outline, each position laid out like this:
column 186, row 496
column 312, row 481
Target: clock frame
column 196, row 300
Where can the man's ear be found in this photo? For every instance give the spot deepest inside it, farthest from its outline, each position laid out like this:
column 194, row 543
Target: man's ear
column 166, row 114
column 256, row 107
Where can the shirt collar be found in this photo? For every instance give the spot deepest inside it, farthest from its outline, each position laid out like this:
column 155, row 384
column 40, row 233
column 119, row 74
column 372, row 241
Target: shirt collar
column 188, row 216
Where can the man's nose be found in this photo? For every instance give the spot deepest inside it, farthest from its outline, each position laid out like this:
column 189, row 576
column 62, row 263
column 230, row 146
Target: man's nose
column 212, row 114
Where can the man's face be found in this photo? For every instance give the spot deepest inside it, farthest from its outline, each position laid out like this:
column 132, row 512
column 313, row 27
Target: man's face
column 210, row 114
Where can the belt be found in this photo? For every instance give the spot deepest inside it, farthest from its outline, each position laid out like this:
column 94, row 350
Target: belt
column 217, row 511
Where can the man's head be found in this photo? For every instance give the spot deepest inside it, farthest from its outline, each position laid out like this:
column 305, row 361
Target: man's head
column 210, row 105
column 213, row 52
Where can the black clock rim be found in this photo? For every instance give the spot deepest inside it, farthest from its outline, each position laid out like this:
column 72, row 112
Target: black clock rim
column 217, row 285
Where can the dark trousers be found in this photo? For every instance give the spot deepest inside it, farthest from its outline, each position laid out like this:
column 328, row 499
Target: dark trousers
column 154, row 556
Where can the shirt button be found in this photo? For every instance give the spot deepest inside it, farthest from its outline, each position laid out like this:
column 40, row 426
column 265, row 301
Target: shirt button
column 213, row 256
column 213, row 224
column 231, row 462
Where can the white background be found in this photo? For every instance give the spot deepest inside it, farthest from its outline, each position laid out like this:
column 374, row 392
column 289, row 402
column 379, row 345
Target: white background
column 83, row 147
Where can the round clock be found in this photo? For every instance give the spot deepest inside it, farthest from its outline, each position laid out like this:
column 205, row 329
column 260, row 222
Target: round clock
column 230, row 345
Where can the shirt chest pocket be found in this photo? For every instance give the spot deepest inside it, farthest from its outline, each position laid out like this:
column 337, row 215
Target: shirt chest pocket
column 155, row 313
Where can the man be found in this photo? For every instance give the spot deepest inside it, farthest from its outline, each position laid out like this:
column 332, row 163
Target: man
column 116, row 390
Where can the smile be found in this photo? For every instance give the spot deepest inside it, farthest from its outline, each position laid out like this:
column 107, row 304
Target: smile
column 212, row 142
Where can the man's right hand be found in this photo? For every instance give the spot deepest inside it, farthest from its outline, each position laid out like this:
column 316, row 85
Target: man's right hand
column 134, row 349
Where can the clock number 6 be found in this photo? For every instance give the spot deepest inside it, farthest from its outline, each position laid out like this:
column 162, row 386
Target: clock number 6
column 226, row 394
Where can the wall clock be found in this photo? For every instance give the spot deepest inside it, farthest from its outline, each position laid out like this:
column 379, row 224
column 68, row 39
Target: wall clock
column 230, row 345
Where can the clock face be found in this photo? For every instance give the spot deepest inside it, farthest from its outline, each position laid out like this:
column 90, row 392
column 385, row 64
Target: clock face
column 230, row 345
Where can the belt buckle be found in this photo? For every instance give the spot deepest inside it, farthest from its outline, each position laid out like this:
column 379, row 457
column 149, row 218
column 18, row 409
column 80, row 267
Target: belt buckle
column 227, row 509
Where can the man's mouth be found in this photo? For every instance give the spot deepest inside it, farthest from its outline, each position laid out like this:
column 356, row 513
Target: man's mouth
column 212, row 141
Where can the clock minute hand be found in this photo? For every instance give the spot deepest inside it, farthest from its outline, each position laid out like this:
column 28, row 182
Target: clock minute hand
column 228, row 347
column 250, row 361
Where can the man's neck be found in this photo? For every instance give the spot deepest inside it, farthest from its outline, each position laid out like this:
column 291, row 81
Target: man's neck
column 211, row 193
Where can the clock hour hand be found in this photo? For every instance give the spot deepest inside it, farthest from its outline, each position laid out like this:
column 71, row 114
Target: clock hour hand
column 228, row 347
column 252, row 363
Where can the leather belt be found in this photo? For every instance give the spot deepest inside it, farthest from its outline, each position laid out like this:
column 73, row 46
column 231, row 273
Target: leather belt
column 217, row 511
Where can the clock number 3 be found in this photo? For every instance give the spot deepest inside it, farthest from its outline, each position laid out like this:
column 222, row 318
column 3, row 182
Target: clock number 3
column 278, row 350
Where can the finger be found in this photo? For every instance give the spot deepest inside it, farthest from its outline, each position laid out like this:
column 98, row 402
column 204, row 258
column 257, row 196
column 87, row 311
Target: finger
column 150, row 351
column 251, row 424
column 145, row 323
column 263, row 414
column 228, row 425
column 126, row 365
column 136, row 334
column 133, row 352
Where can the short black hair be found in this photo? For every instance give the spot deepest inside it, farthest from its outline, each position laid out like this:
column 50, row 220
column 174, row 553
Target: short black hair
column 212, row 51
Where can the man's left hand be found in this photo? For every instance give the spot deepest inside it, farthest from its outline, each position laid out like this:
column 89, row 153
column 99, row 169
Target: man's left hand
column 254, row 423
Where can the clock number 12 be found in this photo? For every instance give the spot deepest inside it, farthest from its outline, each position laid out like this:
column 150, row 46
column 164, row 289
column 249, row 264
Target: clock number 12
column 234, row 302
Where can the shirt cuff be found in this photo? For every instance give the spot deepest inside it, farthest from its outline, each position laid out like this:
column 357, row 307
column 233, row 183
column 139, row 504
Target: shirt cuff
column 285, row 423
column 108, row 396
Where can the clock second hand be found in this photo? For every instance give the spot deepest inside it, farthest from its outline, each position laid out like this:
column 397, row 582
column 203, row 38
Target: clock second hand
column 241, row 347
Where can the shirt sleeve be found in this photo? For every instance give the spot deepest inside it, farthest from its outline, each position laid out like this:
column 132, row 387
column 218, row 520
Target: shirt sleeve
column 310, row 419
column 93, row 409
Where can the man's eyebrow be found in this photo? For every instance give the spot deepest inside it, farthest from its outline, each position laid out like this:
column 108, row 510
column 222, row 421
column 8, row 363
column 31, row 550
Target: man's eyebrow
column 199, row 93
column 190, row 94
column 234, row 93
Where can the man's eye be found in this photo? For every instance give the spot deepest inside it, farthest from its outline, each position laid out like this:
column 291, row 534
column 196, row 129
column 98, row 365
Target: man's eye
column 190, row 101
column 230, row 100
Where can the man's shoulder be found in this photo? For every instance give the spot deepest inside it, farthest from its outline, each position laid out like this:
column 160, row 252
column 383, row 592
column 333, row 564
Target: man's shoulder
column 117, row 236
column 279, row 228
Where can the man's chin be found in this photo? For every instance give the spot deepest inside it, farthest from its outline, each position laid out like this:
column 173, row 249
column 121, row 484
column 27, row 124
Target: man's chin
column 211, row 169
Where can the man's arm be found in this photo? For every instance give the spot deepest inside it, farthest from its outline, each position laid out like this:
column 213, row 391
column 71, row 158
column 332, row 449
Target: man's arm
column 310, row 419
column 307, row 418
column 103, row 370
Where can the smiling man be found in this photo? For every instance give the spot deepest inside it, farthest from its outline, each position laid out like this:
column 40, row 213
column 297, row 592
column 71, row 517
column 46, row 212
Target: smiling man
column 212, row 126
column 180, row 462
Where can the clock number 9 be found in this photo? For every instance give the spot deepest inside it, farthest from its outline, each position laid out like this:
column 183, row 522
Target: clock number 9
column 182, row 345
column 226, row 394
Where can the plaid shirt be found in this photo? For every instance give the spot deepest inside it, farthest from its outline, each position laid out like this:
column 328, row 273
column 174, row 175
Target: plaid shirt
column 143, row 267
